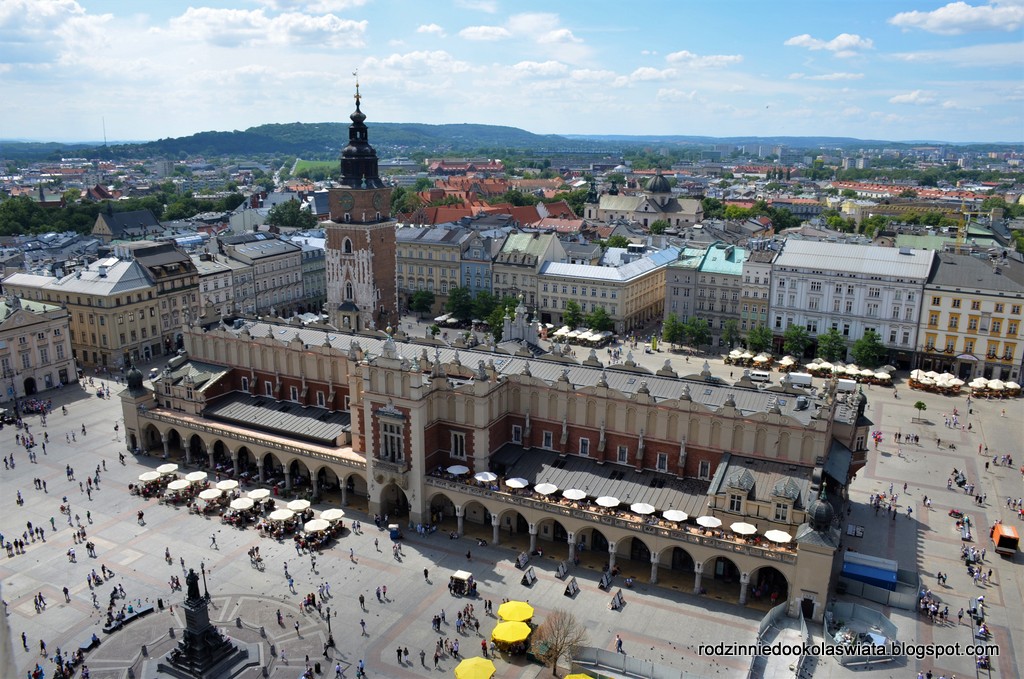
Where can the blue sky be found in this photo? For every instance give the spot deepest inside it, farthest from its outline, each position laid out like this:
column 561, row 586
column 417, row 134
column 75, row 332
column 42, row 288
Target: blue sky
column 880, row 69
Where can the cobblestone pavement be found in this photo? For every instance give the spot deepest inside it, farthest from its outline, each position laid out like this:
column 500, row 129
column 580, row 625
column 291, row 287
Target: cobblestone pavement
column 661, row 623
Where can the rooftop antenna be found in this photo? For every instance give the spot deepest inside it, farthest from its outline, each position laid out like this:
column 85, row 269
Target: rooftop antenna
column 103, row 118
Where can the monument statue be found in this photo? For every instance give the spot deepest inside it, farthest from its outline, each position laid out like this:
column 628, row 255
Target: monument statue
column 192, row 581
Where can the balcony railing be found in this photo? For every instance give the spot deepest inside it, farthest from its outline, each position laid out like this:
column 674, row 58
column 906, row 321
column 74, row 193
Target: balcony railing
column 557, row 508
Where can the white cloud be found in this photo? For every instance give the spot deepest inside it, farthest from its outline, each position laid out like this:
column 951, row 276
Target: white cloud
column 419, row 62
column 973, row 56
column 915, row 98
column 313, row 6
column 592, row 75
column 648, row 73
column 484, row 33
column 432, row 29
column 540, row 68
column 827, row 76
column 670, row 94
column 558, row 35
column 39, row 31
column 960, row 17
column 489, row 6
column 691, row 60
column 951, row 105
column 843, row 45
column 234, row 28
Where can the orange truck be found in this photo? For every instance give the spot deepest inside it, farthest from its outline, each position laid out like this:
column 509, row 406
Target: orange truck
column 1005, row 539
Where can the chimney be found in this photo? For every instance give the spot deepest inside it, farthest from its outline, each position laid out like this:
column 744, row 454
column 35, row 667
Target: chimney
column 103, row 270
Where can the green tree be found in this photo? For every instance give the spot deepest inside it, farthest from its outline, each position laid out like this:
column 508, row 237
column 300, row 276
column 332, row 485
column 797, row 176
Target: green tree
column 496, row 319
column 698, row 332
column 831, row 346
column 731, row 332
column 460, row 304
column 516, row 197
column 658, row 226
column 759, row 338
column 920, row 407
column 422, row 301
column 573, row 314
column 795, row 340
column 908, row 193
column 71, row 196
column 868, row 351
column 291, row 214
column 673, row 331
column 483, row 304
column 435, row 330
column 617, row 241
column 599, row 320
column 713, row 208
column 848, row 193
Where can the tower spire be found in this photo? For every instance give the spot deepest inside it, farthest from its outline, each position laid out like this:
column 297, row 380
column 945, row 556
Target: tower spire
column 355, row 73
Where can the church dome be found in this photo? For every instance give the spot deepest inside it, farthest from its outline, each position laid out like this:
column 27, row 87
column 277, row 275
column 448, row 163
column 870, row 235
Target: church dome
column 658, row 184
column 820, row 514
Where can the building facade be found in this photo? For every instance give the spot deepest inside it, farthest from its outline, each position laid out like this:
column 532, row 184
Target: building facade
column 656, row 203
column 361, row 252
column 971, row 318
column 477, row 253
column 852, row 288
column 35, row 348
column 756, row 290
column 272, row 281
column 517, row 265
column 429, row 258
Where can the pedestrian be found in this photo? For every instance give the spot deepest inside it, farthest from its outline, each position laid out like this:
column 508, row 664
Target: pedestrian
column 362, row 624
column 24, row 640
column 618, row 644
column 398, row 654
column 67, row 594
column 423, row 657
column 376, row 544
column 338, row 671
column 469, row 555
column 213, row 541
column 351, row 553
column 426, row 575
column 362, row 602
column 297, row 628
column 405, row 654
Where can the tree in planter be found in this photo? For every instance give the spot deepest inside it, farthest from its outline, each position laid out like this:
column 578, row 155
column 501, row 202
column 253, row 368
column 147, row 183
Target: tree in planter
column 422, row 301
column 831, row 346
column 673, row 331
column 759, row 338
column 573, row 315
column 435, row 330
column 868, row 351
column 795, row 340
column 599, row 320
column 698, row 332
column 658, row 226
column 920, row 407
column 562, row 635
column 460, row 304
column 731, row 332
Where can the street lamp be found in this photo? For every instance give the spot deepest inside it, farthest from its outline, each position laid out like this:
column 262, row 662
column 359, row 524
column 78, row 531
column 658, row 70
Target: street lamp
column 330, row 637
column 202, row 568
column 12, row 391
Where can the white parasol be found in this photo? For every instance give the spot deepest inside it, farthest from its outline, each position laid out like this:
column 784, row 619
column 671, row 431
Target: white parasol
column 883, row 376
column 642, row 508
column 227, row 484
column 298, row 505
column 675, row 515
column 778, row 536
column 743, row 528
column 517, row 483
column 574, row 494
column 316, row 525
column 177, row 484
column 996, row 385
column 458, row 469
column 485, row 477
column 242, row 503
column 332, row 514
column 708, row 522
column 195, row 477
column 608, row 501
column 281, row 515
column 259, row 494
column 209, row 494
column 545, row 488
column 168, row 468
column 147, row 477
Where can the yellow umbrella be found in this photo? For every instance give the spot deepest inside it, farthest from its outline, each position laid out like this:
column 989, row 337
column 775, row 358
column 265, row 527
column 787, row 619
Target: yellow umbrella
column 510, row 632
column 515, row 611
column 475, row 668
column 578, row 675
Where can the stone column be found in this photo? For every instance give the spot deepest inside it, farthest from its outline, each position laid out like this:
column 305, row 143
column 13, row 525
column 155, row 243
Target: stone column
column 495, row 529
column 188, row 454
column 344, row 491
column 572, row 546
column 259, row 469
column 314, row 486
column 533, row 538
column 234, row 460
column 698, row 570
column 744, row 583
column 209, row 454
column 654, row 568
column 611, row 556
column 287, row 479
column 167, row 445
column 460, row 515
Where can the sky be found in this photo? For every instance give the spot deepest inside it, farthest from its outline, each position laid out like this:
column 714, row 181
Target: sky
column 875, row 69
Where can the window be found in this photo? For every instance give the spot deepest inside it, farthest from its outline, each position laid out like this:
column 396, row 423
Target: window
column 933, row 318
column 972, row 323
column 517, row 434
column 936, row 301
column 391, row 442
column 662, row 464
column 585, row 447
column 846, row 329
column 60, row 352
column 549, row 440
column 44, row 355
column 346, row 406
column 294, row 393
column 975, row 305
column 1011, row 328
column 874, row 292
column 1015, row 309
column 815, row 286
column 954, row 322
column 735, row 503
column 781, row 512
column 321, row 401
column 999, row 308
column 459, row 445
column 704, row 470
column 956, row 303
column 268, row 388
column 622, row 455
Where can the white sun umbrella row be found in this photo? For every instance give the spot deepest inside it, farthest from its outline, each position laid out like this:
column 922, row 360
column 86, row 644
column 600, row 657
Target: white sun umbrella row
column 168, row 468
column 210, row 494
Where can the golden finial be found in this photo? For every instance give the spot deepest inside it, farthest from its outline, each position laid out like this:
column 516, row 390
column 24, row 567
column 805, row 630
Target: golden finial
column 355, row 73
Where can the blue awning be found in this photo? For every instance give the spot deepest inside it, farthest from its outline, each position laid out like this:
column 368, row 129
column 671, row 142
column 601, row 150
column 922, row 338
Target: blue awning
column 870, row 575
